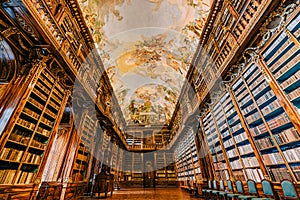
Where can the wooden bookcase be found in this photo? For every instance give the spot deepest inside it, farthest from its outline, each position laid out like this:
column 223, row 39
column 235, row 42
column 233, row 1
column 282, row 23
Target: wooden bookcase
column 171, row 175
column 85, row 149
column 217, row 156
column 114, row 161
column 83, row 156
column 280, row 61
column 254, row 124
column 151, row 138
column 148, row 169
column 127, row 167
column 186, row 161
column 23, row 149
column 160, row 164
column 81, row 163
column 118, row 171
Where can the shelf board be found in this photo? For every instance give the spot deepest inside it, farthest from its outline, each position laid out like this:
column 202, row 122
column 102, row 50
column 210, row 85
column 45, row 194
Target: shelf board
column 35, row 164
column 19, row 143
column 293, row 86
column 289, row 71
column 277, row 164
column 36, row 148
column 30, row 117
column 267, row 102
column 41, row 135
column 24, row 127
column 10, row 161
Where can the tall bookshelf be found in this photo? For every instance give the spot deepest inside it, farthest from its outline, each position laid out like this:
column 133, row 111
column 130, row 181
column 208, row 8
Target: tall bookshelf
column 257, row 116
column 114, row 159
column 160, row 173
column 280, row 56
column 170, row 169
column 186, row 161
column 274, row 135
column 137, row 169
column 148, row 169
column 127, row 166
column 271, row 129
column 280, row 61
column 82, row 161
column 119, row 174
column 244, row 163
column 218, row 160
column 270, row 125
column 23, row 150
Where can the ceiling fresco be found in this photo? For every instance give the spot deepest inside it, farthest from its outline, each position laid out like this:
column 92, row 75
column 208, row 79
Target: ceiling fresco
column 146, row 47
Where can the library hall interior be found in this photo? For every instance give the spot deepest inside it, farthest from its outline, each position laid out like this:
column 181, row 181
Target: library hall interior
column 150, row 99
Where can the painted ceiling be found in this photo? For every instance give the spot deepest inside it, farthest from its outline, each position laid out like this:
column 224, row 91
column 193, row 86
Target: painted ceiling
column 146, row 47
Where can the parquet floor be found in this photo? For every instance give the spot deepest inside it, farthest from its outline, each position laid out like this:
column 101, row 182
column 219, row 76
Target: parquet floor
column 149, row 194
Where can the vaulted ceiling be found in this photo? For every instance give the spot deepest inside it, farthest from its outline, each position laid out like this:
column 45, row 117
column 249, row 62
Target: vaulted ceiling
column 146, row 47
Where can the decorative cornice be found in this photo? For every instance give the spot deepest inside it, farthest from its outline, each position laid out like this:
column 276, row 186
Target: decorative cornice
column 216, row 7
column 85, row 31
column 250, row 54
column 268, row 29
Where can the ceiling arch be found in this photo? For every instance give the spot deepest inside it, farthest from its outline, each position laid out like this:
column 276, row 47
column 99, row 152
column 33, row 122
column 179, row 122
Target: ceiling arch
column 146, row 47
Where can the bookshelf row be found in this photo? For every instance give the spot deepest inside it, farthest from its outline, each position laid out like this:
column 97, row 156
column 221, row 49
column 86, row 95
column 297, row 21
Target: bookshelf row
column 159, row 164
column 147, row 140
column 23, row 150
column 281, row 58
column 87, row 132
column 250, row 126
column 186, row 157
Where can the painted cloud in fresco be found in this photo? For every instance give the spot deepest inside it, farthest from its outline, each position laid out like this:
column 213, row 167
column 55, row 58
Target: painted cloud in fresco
column 146, row 47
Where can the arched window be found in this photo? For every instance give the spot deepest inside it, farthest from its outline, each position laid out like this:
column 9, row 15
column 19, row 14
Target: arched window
column 7, row 62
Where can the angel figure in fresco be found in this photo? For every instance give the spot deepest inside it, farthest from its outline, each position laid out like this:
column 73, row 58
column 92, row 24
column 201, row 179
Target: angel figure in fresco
column 194, row 27
column 97, row 37
column 117, row 14
column 132, row 107
column 90, row 18
column 98, row 34
column 172, row 62
column 185, row 58
column 201, row 22
column 147, row 105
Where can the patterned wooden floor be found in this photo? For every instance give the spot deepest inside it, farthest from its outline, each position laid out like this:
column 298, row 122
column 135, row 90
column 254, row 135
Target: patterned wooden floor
column 150, row 194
